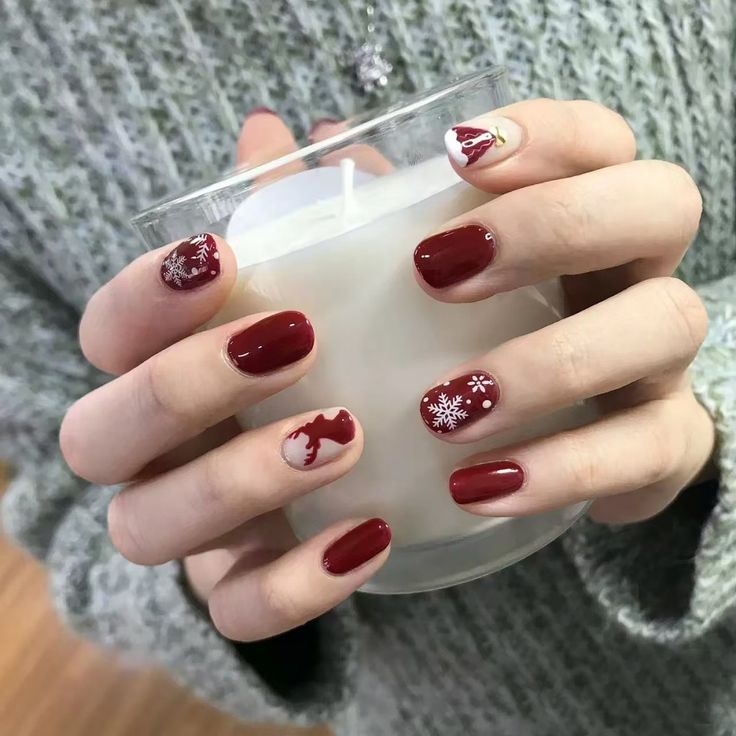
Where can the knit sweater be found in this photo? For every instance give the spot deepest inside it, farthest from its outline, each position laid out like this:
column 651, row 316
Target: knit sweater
column 107, row 105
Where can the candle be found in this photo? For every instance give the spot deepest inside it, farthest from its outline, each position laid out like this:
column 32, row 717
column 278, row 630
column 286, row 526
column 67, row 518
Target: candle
column 382, row 340
column 335, row 240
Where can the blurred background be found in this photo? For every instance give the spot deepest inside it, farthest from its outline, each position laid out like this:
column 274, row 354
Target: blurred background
column 52, row 684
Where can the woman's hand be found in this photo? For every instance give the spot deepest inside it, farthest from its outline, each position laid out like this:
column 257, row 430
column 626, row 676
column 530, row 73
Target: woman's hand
column 574, row 205
column 197, row 488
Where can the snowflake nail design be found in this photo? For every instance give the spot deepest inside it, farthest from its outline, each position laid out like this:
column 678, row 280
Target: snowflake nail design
column 193, row 262
column 459, row 402
column 320, row 440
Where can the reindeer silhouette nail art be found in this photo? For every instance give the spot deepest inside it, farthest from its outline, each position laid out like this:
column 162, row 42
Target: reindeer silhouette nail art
column 319, row 440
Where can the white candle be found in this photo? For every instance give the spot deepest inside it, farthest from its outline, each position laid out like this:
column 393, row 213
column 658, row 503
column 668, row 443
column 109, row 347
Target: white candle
column 382, row 340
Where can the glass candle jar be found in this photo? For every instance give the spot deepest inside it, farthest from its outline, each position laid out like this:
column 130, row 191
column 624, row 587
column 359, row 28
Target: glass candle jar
column 330, row 230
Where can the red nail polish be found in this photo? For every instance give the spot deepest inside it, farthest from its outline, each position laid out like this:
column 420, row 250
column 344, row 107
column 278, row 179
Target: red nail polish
column 357, row 547
column 272, row 343
column 463, row 400
column 455, row 255
column 193, row 262
column 486, row 482
column 261, row 109
column 317, row 124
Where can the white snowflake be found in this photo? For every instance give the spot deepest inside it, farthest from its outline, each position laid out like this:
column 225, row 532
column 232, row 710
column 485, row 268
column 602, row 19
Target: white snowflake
column 197, row 239
column 447, row 412
column 174, row 269
column 479, row 383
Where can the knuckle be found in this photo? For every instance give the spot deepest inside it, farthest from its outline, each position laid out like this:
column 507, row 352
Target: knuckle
column 684, row 312
column 570, row 362
column 224, row 616
column 214, row 485
column 664, row 445
column 158, row 390
column 280, row 601
column 582, row 469
column 687, row 194
column 124, row 530
column 567, row 219
column 582, row 115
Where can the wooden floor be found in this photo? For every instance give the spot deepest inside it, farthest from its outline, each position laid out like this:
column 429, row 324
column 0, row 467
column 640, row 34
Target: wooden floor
column 54, row 685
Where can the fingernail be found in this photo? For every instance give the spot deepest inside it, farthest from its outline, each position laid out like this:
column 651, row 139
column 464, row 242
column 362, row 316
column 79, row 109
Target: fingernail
column 454, row 255
column 192, row 263
column 319, row 440
column 483, row 141
column 357, row 547
column 318, row 124
column 486, row 482
column 260, row 110
column 461, row 401
column 272, row 343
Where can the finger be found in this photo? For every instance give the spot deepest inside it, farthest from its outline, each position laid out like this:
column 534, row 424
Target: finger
column 257, row 601
column 110, row 434
column 366, row 157
column 538, row 140
column 619, row 216
column 646, row 331
column 264, row 137
column 257, row 472
column 645, row 447
column 156, row 300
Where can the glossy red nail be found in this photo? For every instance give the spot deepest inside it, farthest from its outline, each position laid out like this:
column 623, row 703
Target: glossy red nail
column 319, row 123
column 193, row 262
column 357, row 547
column 272, row 343
column 455, row 255
column 461, row 401
column 486, row 482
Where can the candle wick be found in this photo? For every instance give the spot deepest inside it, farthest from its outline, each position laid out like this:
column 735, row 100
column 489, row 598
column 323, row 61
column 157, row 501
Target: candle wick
column 347, row 171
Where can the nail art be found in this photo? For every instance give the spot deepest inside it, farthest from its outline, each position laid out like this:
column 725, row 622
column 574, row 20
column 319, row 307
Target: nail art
column 192, row 263
column 490, row 139
column 454, row 255
column 486, row 482
column 272, row 343
column 356, row 547
column 320, row 440
column 459, row 402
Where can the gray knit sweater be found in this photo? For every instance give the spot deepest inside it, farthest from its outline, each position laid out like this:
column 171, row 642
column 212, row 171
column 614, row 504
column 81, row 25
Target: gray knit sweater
column 109, row 104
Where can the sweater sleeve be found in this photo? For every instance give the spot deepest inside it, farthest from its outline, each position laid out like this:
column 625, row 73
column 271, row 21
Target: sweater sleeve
column 672, row 578
column 302, row 677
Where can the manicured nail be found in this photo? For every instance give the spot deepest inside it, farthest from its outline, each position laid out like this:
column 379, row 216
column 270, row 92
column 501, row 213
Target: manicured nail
column 272, row 343
column 193, row 262
column 461, row 401
column 319, row 440
column 454, row 255
column 483, row 141
column 318, row 124
column 261, row 109
column 357, row 547
column 486, row 482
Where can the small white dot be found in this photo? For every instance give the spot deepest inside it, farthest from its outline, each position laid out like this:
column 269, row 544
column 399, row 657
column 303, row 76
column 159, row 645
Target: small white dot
column 216, row 256
column 446, row 383
column 467, row 401
column 487, row 404
column 194, row 272
column 425, row 400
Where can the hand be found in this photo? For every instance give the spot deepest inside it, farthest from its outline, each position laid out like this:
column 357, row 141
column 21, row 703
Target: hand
column 574, row 204
column 197, row 488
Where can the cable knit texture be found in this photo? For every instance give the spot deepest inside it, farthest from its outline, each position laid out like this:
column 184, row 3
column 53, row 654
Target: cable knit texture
column 107, row 105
